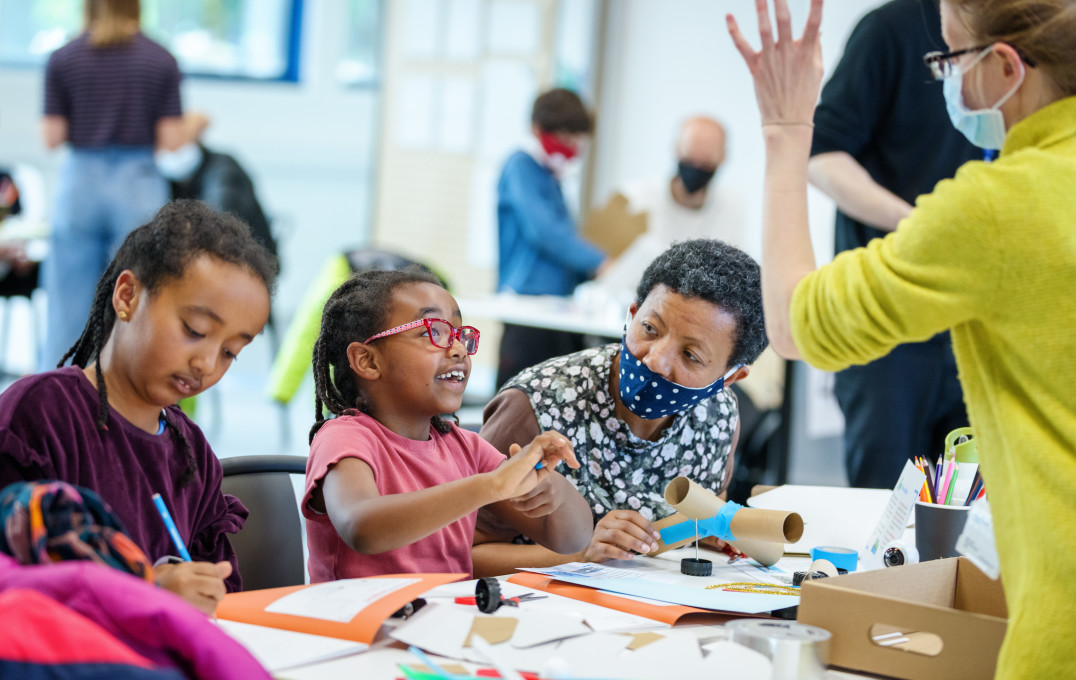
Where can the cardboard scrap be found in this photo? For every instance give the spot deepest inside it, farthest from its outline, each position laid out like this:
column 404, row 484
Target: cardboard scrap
column 493, row 629
column 614, row 226
column 640, row 640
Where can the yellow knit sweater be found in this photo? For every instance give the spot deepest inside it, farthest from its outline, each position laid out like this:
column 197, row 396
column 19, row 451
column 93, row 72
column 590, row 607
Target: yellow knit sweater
column 991, row 255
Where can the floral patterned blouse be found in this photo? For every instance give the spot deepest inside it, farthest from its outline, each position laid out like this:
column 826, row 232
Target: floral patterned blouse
column 570, row 394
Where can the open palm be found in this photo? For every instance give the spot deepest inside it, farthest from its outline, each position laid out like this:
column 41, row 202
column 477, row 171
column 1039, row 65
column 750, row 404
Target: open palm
column 787, row 72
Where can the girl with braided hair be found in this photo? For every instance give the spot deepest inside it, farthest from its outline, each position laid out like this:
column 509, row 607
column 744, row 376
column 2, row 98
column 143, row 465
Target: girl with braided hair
column 391, row 487
column 183, row 295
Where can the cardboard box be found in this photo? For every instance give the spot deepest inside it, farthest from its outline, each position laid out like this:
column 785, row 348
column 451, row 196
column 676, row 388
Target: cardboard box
column 937, row 619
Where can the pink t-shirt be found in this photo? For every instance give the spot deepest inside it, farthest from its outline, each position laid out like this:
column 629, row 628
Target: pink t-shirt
column 399, row 465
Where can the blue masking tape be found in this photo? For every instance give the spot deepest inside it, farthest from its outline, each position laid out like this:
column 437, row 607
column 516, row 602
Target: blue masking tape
column 842, row 558
column 717, row 526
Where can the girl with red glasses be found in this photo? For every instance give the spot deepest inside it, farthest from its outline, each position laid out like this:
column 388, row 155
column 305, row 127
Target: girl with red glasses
column 391, row 486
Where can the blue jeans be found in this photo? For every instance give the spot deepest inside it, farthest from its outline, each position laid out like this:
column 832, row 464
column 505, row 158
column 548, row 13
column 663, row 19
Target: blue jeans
column 103, row 194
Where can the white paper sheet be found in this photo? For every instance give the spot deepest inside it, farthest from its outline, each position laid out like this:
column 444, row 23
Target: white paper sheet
column 278, row 649
column 338, row 601
column 962, row 486
column 831, row 515
column 438, row 629
column 540, row 627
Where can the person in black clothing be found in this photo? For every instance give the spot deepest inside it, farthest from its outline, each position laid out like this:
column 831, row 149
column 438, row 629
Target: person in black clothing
column 882, row 137
column 197, row 172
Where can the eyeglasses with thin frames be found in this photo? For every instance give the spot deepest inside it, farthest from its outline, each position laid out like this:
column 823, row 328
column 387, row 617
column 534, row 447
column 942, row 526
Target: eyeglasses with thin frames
column 440, row 332
column 944, row 64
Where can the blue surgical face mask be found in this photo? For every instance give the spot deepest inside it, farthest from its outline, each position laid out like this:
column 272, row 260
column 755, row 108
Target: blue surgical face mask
column 985, row 128
column 649, row 395
column 181, row 164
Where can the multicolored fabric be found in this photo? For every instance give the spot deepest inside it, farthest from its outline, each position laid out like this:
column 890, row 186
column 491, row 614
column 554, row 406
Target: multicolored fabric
column 42, row 639
column 51, row 521
column 152, row 622
column 570, row 394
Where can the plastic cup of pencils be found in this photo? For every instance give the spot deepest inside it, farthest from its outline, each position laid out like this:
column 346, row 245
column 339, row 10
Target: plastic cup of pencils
column 936, row 529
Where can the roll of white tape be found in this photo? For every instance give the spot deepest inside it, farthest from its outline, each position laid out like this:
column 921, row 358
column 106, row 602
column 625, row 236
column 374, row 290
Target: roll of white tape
column 797, row 651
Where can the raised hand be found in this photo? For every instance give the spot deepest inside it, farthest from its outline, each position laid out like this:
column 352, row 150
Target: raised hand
column 787, row 72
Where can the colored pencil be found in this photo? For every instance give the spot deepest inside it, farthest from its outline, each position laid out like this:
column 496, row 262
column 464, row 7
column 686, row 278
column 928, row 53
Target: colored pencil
column 952, row 483
column 932, row 491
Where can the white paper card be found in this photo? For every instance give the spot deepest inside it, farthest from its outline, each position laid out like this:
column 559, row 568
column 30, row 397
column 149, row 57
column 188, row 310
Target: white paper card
column 977, row 540
column 338, row 601
column 438, row 629
column 895, row 516
column 278, row 649
column 537, row 628
column 962, row 485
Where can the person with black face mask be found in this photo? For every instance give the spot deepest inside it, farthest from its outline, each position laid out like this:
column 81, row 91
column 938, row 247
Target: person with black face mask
column 691, row 204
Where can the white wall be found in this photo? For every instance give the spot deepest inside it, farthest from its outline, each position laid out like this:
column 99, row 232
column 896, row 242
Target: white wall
column 309, row 146
column 667, row 60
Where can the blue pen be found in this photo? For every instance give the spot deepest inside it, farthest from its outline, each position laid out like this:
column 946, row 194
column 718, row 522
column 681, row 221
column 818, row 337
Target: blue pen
column 171, row 526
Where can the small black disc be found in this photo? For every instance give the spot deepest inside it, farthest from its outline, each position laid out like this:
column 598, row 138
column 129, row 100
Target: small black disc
column 696, row 567
column 487, row 595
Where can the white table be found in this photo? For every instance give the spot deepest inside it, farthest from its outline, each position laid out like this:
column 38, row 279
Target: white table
column 598, row 316
column 381, row 661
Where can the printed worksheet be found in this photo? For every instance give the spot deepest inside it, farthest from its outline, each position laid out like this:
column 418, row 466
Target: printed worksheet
column 895, row 517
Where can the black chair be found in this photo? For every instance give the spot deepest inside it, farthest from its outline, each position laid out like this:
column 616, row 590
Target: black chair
column 758, row 450
column 270, row 545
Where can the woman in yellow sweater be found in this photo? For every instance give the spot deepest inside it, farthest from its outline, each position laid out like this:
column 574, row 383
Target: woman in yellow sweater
column 989, row 255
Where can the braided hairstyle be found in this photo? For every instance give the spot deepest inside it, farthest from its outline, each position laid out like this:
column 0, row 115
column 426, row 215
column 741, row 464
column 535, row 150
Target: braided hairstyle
column 159, row 252
column 356, row 310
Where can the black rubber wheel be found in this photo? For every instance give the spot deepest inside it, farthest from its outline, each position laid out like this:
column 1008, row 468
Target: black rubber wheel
column 696, row 567
column 487, row 595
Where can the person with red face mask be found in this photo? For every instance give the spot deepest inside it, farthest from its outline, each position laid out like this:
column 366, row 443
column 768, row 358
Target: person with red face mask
column 540, row 250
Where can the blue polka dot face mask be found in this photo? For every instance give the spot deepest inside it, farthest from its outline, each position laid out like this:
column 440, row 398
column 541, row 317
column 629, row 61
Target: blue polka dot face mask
column 649, row 395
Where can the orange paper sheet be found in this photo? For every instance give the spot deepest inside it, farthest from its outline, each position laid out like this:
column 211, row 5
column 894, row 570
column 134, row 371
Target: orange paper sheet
column 249, row 607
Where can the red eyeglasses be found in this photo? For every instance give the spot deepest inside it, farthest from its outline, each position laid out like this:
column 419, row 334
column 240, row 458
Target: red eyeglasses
column 441, row 333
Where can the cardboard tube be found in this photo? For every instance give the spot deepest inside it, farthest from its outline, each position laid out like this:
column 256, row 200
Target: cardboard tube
column 767, row 525
column 691, row 500
column 765, row 553
column 760, row 534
